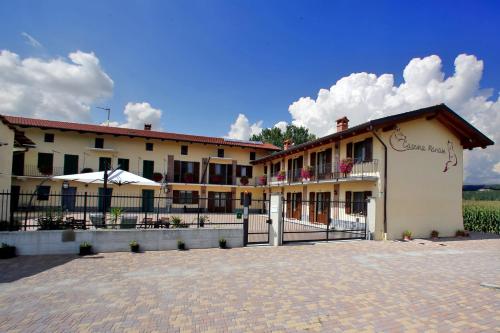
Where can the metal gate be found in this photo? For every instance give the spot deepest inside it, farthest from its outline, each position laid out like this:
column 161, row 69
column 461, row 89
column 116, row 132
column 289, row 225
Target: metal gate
column 323, row 220
column 257, row 222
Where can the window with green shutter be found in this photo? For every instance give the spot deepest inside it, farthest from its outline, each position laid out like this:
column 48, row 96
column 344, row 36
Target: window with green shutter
column 70, row 164
column 148, row 169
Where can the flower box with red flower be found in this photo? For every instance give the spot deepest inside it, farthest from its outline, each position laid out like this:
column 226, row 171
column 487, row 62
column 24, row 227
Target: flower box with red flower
column 188, row 178
column 216, row 179
column 157, row 177
column 244, row 180
column 281, row 176
column 262, row 180
column 346, row 166
column 305, row 173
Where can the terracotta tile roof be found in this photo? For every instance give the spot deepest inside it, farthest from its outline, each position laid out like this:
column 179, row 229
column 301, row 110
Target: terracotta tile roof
column 98, row 129
column 470, row 137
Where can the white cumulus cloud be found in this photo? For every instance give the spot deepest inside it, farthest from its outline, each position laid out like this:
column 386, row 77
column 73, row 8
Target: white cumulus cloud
column 363, row 96
column 241, row 129
column 60, row 88
column 138, row 114
column 282, row 125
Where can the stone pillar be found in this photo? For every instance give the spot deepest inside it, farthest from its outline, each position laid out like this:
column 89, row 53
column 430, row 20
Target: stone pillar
column 203, row 197
column 234, row 172
column 170, row 168
column 304, row 208
column 233, row 197
column 204, row 168
column 276, row 233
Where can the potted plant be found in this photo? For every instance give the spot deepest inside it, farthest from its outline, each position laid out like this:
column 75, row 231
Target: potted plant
column 346, row 166
column 175, row 222
column 462, row 233
column 87, row 170
column 45, row 170
column 305, row 173
column 134, row 246
column 216, row 179
column 85, row 248
column 7, row 251
column 181, row 246
column 202, row 220
column 281, row 176
column 434, row 234
column 116, row 212
column 222, row 243
column 262, row 180
column 188, row 177
column 407, row 235
column 157, row 177
column 244, row 180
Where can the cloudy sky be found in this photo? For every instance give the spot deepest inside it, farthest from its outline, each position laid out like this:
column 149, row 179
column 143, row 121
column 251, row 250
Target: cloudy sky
column 231, row 68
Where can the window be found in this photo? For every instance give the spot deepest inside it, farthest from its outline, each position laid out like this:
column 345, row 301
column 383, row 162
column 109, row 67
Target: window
column 252, row 156
column 45, row 163
column 184, row 150
column 148, row 169
column 185, row 197
column 361, row 151
column 244, row 171
column 186, row 172
column 48, row 137
column 42, row 192
column 70, row 164
column 356, row 202
column 104, row 162
column 265, row 169
column 276, row 168
column 242, row 198
column 220, row 199
column 123, row 163
column 99, row 143
column 149, row 146
column 220, row 152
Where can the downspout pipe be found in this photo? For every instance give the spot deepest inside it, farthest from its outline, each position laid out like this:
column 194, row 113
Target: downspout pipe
column 385, row 179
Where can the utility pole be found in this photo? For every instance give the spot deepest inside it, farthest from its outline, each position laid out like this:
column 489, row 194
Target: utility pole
column 105, row 109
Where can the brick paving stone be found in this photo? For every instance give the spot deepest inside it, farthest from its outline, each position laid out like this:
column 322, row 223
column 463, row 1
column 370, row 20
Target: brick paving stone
column 361, row 286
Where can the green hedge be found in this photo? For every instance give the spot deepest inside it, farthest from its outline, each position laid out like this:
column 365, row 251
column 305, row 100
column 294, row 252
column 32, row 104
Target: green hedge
column 482, row 218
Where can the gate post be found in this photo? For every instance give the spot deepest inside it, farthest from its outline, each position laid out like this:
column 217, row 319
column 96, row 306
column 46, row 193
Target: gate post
column 276, row 235
column 370, row 218
column 245, row 218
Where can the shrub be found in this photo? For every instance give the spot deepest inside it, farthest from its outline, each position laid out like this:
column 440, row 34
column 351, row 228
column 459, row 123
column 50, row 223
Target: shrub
column 176, row 222
column 482, row 217
column 7, row 251
column 222, row 243
column 407, row 234
column 134, row 246
column 181, row 245
column 85, row 248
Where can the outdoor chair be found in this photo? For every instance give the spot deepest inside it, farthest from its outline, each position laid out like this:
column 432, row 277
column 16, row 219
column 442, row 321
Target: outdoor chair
column 147, row 222
column 164, row 222
column 128, row 222
column 96, row 220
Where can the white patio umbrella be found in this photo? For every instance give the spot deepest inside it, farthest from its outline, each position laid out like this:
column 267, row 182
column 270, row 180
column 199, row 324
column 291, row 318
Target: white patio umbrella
column 117, row 177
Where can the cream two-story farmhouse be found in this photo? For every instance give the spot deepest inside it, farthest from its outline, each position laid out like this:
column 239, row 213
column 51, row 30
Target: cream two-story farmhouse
column 409, row 164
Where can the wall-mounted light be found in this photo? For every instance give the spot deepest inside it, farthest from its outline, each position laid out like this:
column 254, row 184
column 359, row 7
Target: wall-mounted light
column 65, row 184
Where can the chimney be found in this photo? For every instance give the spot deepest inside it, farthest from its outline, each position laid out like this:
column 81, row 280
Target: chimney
column 147, row 127
column 342, row 124
column 287, row 144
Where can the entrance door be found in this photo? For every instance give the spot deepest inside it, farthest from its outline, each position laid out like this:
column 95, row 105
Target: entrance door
column 297, row 206
column 18, row 164
column 147, row 200
column 323, row 206
column 102, row 199
column 68, row 198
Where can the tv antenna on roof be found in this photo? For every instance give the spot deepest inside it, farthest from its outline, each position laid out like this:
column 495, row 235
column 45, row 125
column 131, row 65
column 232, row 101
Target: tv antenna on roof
column 105, row 109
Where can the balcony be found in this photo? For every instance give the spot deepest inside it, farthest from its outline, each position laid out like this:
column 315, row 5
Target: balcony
column 35, row 171
column 324, row 172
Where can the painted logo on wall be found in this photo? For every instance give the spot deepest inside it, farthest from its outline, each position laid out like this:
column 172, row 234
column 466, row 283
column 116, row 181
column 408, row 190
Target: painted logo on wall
column 399, row 142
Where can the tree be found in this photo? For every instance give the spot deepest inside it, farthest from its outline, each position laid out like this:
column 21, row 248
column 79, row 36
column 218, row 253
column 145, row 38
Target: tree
column 276, row 136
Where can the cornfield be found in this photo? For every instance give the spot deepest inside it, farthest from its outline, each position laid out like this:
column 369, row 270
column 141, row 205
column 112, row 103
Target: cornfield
column 482, row 216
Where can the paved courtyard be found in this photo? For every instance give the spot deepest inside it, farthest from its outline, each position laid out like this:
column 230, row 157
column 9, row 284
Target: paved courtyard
column 331, row 287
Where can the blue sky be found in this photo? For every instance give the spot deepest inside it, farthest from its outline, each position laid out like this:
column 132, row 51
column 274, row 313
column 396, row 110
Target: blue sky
column 233, row 67
column 203, row 62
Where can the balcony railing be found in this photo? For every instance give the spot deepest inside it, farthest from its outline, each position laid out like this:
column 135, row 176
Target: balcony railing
column 35, row 171
column 220, row 179
column 326, row 171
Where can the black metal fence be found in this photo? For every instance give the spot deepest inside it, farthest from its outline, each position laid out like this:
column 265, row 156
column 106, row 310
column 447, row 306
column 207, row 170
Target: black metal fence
column 323, row 220
column 55, row 211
